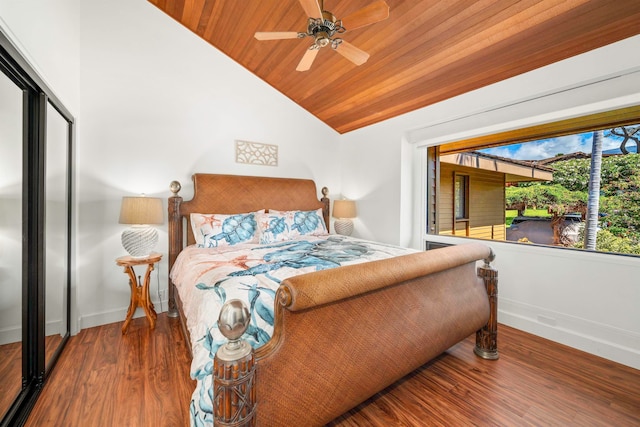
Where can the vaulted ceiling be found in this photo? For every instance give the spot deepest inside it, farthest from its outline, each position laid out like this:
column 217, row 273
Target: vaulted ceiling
column 425, row 52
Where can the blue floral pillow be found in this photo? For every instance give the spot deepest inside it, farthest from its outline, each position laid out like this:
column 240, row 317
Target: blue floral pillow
column 278, row 226
column 214, row 230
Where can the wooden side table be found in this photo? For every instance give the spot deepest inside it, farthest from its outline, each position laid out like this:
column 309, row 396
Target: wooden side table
column 139, row 291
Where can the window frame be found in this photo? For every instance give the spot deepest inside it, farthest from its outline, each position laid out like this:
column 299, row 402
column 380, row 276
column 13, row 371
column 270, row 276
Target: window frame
column 615, row 117
column 457, row 197
column 465, row 197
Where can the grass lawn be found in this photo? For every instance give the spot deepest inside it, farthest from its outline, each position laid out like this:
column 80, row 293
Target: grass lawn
column 512, row 213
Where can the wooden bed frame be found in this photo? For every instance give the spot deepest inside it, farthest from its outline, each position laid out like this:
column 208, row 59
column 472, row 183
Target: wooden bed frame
column 362, row 329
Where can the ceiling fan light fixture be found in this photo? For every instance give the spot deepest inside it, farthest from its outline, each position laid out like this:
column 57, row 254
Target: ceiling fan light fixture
column 322, row 39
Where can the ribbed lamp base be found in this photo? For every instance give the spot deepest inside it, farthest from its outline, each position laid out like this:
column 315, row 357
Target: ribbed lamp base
column 139, row 241
column 343, row 226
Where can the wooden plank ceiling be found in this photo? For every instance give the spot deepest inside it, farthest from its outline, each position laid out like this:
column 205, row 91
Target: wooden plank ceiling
column 425, row 52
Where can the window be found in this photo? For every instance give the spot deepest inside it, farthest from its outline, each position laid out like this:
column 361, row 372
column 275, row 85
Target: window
column 461, row 196
column 535, row 185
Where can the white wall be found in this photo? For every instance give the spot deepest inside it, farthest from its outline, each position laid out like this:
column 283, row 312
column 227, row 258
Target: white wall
column 47, row 33
column 585, row 300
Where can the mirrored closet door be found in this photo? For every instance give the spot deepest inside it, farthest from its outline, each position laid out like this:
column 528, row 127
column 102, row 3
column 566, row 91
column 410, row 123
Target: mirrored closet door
column 36, row 135
column 11, row 349
column 57, row 216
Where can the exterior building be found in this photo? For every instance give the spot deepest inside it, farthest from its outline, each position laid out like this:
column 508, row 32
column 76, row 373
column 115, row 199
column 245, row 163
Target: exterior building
column 471, row 198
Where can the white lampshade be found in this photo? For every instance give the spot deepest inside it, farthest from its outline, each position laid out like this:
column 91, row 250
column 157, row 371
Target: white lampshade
column 343, row 210
column 140, row 239
column 141, row 210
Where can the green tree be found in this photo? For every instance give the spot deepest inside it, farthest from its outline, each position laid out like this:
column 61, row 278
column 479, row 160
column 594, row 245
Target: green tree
column 619, row 197
column 609, row 242
column 553, row 197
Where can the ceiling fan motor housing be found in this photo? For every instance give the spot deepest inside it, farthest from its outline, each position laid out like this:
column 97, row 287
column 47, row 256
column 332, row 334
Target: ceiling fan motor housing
column 322, row 29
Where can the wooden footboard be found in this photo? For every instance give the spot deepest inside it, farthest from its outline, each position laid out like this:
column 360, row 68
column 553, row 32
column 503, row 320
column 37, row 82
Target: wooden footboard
column 334, row 348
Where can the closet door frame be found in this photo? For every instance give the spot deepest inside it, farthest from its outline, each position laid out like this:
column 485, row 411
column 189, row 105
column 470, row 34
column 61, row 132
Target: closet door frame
column 36, row 97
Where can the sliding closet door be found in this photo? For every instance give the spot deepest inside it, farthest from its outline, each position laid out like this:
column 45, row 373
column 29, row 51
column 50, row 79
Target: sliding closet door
column 36, row 134
column 11, row 227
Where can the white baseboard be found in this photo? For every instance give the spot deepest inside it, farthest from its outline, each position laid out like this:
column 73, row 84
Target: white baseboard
column 10, row 335
column 611, row 343
column 104, row 318
column 14, row 334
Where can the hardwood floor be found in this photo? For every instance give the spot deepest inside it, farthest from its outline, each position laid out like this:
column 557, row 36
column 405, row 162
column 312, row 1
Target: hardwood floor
column 535, row 382
column 10, row 374
column 11, row 369
column 104, row 378
column 141, row 379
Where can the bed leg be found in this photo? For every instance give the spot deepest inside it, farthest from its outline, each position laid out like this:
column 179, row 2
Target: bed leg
column 173, row 308
column 234, row 370
column 487, row 337
column 175, row 240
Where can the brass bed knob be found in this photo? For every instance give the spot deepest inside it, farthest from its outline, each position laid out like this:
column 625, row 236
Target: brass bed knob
column 233, row 321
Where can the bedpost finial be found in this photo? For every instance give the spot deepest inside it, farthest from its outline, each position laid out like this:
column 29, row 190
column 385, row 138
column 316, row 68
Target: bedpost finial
column 325, row 191
column 234, row 370
column 175, row 187
column 489, row 259
column 233, row 321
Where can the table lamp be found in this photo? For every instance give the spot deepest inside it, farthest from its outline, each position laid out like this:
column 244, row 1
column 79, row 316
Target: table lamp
column 140, row 212
column 343, row 210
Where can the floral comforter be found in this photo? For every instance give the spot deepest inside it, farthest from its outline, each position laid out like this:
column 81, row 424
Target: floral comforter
column 207, row 277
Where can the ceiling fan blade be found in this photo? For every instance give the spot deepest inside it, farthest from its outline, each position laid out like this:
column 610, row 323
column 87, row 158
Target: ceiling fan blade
column 375, row 12
column 307, row 59
column 352, row 53
column 311, row 8
column 276, row 35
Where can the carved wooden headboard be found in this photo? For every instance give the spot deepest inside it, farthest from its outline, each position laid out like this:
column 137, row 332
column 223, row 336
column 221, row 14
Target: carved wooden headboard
column 230, row 194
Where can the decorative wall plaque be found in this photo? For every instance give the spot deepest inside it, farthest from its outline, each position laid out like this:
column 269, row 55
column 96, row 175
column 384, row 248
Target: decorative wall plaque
column 255, row 153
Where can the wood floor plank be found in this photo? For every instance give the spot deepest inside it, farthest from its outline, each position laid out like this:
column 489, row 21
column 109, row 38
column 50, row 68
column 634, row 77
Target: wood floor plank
column 142, row 379
column 10, row 374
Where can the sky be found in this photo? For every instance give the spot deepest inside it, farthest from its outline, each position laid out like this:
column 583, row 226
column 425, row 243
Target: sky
column 546, row 148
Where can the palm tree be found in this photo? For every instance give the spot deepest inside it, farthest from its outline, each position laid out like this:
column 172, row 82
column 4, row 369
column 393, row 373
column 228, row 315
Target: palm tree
column 593, row 202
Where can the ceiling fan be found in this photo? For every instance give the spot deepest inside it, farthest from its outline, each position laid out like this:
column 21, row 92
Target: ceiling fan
column 322, row 25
